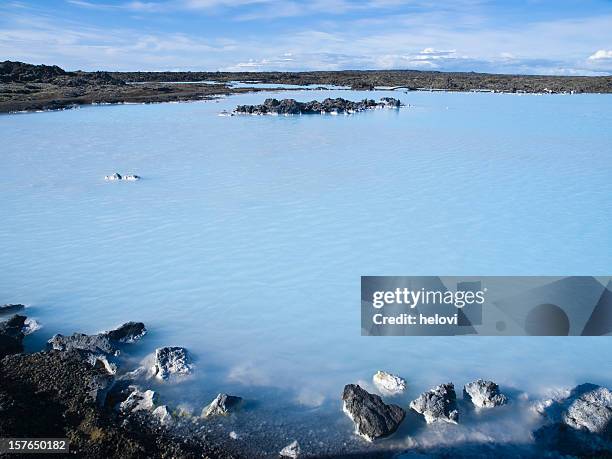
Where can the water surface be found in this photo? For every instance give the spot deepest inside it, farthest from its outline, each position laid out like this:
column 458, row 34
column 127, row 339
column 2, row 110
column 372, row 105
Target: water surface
column 246, row 239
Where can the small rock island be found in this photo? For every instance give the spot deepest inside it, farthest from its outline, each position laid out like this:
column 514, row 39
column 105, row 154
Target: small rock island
column 327, row 106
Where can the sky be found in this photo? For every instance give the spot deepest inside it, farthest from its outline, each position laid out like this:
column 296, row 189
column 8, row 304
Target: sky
column 562, row 37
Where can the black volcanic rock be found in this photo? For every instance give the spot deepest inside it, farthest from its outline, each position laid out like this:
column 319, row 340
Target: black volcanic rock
column 106, row 343
column 55, row 394
column 20, row 71
column 93, row 79
column 11, row 335
column 293, row 107
column 362, row 86
column 128, row 332
column 391, row 102
column 372, row 417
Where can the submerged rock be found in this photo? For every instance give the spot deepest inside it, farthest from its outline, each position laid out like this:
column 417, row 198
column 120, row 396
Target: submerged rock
column 332, row 106
column 484, row 394
column 171, row 361
column 292, row 450
column 222, row 405
column 438, row 404
column 11, row 308
column 372, row 417
column 580, row 424
column 11, row 335
column 389, row 384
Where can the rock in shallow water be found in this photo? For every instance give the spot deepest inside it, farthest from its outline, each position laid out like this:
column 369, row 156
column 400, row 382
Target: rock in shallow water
column 102, row 343
column 484, row 394
column 372, row 417
column 171, row 361
column 98, row 350
column 438, row 404
column 129, row 332
column 292, row 450
column 580, row 424
column 118, row 177
column 222, row 405
column 99, row 344
column 389, row 384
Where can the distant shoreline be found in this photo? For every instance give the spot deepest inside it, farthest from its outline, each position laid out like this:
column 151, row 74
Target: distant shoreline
column 27, row 87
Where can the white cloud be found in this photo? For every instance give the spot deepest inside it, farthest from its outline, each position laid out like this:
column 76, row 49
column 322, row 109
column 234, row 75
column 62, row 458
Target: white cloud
column 601, row 54
column 439, row 39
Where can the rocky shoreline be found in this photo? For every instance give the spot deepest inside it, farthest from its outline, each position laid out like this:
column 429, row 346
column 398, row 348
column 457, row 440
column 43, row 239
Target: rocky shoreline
column 71, row 391
column 27, row 87
column 76, row 389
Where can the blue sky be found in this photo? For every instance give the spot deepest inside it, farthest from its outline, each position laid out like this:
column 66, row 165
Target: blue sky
column 523, row 36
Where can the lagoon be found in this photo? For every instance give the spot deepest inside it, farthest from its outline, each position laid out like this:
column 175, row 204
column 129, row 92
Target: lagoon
column 246, row 238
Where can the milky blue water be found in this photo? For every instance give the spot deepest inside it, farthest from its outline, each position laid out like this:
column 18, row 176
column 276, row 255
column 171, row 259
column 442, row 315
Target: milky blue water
column 246, row 239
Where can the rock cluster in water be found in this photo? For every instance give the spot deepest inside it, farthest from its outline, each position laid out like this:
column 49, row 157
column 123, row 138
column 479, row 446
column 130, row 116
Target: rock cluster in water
column 374, row 419
column 118, row 177
column 64, row 391
column 68, row 391
column 293, row 107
